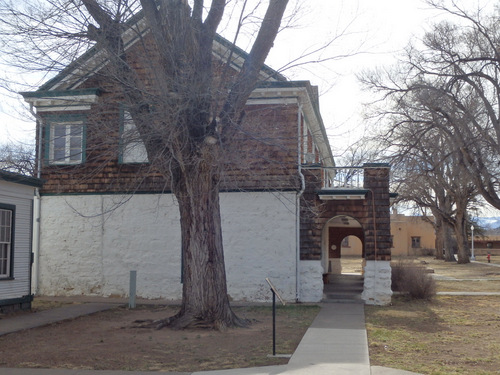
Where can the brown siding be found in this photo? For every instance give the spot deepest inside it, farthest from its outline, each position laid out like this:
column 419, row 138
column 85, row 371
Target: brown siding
column 374, row 215
column 262, row 154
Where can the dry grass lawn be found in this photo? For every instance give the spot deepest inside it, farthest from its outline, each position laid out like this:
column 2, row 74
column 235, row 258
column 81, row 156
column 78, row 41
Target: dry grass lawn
column 448, row 335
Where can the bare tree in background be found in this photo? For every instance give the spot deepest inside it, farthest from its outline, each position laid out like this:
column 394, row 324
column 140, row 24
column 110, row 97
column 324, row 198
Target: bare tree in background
column 447, row 84
column 185, row 107
column 428, row 167
column 430, row 176
column 458, row 67
column 18, row 158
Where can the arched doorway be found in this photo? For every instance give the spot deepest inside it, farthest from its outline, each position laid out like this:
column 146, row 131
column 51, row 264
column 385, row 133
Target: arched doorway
column 351, row 255
column 338, row 232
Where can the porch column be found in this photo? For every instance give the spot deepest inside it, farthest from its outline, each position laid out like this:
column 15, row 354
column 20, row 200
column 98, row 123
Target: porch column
column 377, row 275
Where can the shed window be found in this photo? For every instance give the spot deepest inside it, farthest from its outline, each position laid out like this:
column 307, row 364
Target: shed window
column 6, row 230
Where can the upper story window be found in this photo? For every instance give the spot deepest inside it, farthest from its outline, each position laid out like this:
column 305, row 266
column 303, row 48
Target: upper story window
column 132, row 146
column 66, row 140
column 6, row 239
column 309, row 148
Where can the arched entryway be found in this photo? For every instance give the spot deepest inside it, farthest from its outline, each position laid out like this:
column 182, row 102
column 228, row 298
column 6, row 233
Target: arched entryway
column 342, row 258
column 337, row 233
column 339, row 207
column 351, row 255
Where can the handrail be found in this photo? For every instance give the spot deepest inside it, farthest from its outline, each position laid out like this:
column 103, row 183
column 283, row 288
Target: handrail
column 345, row 178
column 341, row 177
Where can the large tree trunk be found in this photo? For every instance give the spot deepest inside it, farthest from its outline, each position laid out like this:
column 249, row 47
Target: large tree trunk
column 439, row 229
column 205, row 299
column 448, row 242
column 463, row 248
column 183, row 140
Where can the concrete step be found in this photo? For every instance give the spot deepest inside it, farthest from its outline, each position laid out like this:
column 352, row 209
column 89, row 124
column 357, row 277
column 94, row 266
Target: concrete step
column 343, row 289
column 342, row 300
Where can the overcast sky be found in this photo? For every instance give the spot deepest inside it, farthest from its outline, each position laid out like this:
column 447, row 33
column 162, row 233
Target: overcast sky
column 375, row 30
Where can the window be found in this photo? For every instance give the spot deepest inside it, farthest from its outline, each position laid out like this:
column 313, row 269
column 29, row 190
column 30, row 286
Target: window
column 345, row 242
column 132, row 146
column 66, row 140
column 415, row 242
column 6, row 239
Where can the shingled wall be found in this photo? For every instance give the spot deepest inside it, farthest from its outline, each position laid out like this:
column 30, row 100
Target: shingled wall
column 372, row 212
column 262, row 154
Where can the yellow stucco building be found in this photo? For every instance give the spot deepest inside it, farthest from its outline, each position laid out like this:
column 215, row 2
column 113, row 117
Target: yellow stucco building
column 411, row 235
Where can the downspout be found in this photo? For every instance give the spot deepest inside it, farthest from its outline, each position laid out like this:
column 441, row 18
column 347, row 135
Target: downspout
column 36, row 208
column 297, row 205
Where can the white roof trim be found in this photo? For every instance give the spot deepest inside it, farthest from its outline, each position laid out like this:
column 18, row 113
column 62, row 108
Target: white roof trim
column 331, row 197
column 62, row 103
column 94, row 64
column 284, row 100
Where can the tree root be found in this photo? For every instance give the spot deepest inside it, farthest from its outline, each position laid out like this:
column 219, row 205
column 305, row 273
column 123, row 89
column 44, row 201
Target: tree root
column 184, row 321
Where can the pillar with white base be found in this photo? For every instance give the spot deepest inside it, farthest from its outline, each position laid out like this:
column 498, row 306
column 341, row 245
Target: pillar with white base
column 377, row 282
column 377, row 271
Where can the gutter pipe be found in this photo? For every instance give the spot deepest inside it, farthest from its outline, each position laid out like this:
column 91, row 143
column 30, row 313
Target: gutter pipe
column 297, row 205
column 36, row 208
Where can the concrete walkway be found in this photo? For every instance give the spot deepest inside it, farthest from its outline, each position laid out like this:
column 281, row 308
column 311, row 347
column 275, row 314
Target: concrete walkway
column 335, row 343
column 46, row 317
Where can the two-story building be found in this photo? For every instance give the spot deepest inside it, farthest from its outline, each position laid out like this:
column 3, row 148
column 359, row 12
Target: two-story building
column 105, row 212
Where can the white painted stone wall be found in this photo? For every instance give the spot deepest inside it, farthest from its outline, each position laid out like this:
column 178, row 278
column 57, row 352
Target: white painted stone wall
column 86, row 252
column 377, row 285
column 311, row 281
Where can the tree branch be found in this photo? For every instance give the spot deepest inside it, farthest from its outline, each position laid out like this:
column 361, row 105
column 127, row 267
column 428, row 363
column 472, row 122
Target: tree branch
column 248, row 76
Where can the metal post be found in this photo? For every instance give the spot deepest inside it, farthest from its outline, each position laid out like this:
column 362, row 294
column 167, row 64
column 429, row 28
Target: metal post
column 274, row 322
column 133, row 282
column 472, row 242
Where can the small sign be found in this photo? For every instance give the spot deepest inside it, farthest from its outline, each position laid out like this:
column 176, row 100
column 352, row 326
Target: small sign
column 275, row 291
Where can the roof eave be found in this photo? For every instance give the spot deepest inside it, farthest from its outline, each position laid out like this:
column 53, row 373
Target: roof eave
column 20, row 179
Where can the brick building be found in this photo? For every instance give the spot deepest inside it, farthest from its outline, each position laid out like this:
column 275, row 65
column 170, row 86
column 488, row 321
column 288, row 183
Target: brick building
column 105, row 212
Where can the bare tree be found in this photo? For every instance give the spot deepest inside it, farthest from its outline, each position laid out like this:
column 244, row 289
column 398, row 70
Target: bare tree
column 18, row 157
column 458, row 67
column 447, row 84
column 428, row 167
column 431, row 177
column 186, row 107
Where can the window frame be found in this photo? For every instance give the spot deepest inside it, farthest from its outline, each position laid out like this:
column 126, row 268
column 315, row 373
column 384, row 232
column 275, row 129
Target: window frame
column 416, row 240
column 345, row 242
column 122, row 158
column 9, row 271
column 67, row 120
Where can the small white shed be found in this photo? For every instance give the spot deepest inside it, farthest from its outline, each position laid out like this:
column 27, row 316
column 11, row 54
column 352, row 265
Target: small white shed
column 16, row 232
